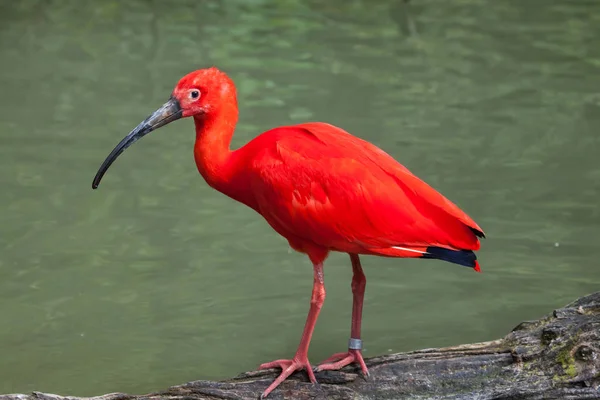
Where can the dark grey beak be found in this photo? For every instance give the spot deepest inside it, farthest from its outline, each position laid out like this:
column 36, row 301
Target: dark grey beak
column 169, row 112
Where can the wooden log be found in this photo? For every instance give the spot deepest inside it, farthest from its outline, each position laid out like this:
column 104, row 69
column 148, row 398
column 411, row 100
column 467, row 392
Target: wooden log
column 555, row 357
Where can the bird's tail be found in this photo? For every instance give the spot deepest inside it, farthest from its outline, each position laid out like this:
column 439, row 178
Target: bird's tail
column 466, row 258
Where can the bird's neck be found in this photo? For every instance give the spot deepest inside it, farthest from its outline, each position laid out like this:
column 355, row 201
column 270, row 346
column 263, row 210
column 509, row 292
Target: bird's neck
column 212, row 152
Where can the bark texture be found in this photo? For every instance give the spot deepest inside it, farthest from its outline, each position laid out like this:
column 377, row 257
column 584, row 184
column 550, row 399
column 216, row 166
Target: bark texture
column 556, row 357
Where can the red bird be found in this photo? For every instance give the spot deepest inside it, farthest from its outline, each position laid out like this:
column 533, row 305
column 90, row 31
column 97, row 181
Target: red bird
column 320, row 188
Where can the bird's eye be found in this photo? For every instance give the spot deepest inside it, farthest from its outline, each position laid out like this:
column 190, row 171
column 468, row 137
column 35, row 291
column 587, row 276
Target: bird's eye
column 194, row 94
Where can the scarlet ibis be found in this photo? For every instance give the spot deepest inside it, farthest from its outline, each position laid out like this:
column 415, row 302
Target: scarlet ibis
column 320, row 188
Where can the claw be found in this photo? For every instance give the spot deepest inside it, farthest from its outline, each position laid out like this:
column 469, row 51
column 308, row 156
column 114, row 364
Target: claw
column 340, row 360
column 366, row 375
column 288, row 367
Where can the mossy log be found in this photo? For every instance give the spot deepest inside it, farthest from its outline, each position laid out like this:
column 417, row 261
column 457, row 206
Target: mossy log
column 556, row 357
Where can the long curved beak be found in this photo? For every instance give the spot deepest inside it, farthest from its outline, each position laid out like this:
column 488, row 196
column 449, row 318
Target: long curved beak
column 169, row 112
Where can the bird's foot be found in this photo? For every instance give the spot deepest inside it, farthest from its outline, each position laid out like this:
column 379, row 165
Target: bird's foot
column 288, row 367
column 340, row 360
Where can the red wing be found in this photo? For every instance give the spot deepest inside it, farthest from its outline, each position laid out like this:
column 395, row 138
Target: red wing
column 324, row 185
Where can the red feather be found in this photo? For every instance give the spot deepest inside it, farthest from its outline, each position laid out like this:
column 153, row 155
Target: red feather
column 317, row 185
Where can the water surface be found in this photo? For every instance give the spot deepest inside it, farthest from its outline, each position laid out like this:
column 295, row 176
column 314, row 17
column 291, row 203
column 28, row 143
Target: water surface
column 155, row 279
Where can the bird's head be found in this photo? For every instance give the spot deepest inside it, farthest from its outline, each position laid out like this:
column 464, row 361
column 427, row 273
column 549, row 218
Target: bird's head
column 203, row 92
column 200, row 94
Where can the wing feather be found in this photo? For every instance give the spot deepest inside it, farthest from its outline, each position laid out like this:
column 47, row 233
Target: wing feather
column 319, row 183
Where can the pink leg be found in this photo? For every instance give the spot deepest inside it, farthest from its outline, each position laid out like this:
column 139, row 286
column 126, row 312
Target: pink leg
column 340, row 360
column 300, row 360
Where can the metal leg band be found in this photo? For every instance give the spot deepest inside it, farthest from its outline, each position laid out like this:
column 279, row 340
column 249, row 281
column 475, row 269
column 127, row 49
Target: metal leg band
column 355, row 344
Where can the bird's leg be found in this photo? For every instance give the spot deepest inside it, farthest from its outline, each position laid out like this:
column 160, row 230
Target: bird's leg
column 300, row 360
column 354, row 354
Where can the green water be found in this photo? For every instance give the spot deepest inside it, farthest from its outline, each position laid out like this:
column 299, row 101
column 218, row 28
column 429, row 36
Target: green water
column 155, row 279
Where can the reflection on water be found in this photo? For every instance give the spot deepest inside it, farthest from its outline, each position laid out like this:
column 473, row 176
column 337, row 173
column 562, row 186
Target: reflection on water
column 155, row 279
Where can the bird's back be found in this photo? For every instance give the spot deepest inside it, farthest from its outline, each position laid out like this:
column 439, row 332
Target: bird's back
column 316, row 182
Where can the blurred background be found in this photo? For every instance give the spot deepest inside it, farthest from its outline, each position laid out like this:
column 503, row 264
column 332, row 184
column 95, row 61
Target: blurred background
column 155, row 279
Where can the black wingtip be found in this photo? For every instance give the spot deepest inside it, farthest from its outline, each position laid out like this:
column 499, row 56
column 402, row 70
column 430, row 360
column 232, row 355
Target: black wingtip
column 477, row 233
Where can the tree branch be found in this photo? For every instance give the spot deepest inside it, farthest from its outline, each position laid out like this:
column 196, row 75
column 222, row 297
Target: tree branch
column 556, row 357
